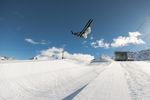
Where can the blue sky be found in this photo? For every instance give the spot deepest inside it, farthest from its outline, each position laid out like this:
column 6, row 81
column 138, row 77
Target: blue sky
column 49, row 22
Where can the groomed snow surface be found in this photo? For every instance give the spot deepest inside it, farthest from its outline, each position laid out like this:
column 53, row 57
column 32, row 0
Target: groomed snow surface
column 67, row 80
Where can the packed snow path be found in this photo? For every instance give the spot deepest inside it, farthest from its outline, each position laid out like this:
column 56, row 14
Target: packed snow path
column 109, row 85
column 67, row 80
column 122, row 81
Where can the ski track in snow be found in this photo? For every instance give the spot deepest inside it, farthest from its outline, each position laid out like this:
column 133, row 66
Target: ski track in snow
column 109, row 85
column 138, row 81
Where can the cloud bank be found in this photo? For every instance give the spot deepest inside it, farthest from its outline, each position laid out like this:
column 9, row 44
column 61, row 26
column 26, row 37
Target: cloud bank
column 133, row 38
column 56, row 53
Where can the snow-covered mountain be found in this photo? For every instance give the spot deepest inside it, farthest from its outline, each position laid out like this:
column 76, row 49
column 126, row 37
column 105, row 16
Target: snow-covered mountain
column 140, row 55
column 3, row 58
column 143, row 55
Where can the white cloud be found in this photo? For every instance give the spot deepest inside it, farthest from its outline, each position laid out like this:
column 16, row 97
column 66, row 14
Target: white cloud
column 56, row 53
column 120, row 41
column 35, row 42
column 30, row 41
column 100, row 44
column 133, row 38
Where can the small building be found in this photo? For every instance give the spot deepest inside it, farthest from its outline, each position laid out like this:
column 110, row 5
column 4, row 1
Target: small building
column 121, row 56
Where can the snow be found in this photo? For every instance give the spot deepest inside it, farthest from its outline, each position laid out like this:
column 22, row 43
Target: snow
column 109, row 85
column 43, row 80
column 68, row 79
column 138, row 79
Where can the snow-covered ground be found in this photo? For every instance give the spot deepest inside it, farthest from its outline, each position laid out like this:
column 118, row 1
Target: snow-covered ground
column 68, row 79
